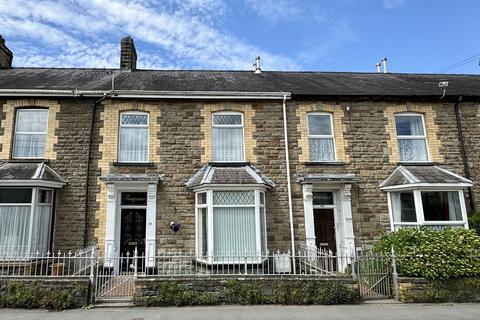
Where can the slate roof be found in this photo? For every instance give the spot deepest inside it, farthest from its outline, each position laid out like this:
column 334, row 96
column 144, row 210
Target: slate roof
column 418, row 175
column 212, row 174
column 30, row 173
column 297, row 83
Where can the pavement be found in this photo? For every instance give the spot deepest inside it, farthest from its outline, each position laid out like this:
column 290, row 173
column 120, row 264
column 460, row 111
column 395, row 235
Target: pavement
column 375, row 311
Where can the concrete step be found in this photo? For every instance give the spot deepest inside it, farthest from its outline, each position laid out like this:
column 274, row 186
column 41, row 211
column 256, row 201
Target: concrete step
column 115, row 304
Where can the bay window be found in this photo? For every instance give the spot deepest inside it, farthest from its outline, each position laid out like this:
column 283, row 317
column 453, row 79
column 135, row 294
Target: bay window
column 230, row 226
column 321, row 142
column 431, row 208
column 25, row 219
column 227, row 137
column 30, row 133
column 411, row 137
column 133, row 146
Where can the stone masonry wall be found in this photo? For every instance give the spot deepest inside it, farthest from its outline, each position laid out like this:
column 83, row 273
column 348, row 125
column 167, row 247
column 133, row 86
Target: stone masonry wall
column 179, row 128
column 66, row 153
column 470, row 117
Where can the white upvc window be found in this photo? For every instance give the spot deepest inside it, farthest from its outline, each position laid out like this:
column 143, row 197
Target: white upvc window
column 133, row 146
column 227, row 137
column 321, row 142
column 25, row 219
column 427, row 207
column 30, row 133
column 411, row 137
column 230, row 226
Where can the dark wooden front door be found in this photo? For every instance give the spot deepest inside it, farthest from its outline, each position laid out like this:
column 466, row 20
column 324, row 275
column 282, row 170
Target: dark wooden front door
column 324, row 229
column 133, row 231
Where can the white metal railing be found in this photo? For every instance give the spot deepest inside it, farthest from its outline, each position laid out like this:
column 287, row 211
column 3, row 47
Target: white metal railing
column 185, row 263
column 67, row 264
column 87, row 263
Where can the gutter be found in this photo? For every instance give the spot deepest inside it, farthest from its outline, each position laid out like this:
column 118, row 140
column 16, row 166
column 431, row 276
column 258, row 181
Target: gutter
column 143, row 94
column 289, row 186
column 466, row 170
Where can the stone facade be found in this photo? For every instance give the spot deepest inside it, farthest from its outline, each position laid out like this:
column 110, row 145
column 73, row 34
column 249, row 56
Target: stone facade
column 180, row 144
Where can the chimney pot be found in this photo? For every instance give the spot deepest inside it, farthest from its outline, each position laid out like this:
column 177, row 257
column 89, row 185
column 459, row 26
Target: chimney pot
column 6, row 56
column 128, row 54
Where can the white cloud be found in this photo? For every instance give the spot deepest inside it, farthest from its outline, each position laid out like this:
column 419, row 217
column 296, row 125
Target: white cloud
column 274, row 11
column 87, row 33
column 393, row 4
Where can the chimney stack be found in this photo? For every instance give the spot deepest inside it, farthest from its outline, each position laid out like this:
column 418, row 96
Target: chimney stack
column 128, row 55
column 6, row 56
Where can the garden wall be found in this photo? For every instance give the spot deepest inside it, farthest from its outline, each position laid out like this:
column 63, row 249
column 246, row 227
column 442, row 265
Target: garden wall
column 56, row 294
column 209, row 291
column 449, row 290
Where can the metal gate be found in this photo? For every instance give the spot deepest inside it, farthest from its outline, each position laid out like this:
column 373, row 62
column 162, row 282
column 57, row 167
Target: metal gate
column 375, row 277
column 115, row 278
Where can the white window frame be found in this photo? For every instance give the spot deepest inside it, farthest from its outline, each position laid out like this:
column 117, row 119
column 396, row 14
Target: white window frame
column 242, row 125
column 30, row 133
column 120, row 126
column 312, row 136
column 209, row 258
column 417, row 137
column 33, row 205
column 417, row 196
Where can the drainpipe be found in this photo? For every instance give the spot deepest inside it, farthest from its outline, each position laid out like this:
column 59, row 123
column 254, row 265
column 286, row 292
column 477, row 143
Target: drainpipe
column 89, row 151
column 466, row 170
column 289, row 186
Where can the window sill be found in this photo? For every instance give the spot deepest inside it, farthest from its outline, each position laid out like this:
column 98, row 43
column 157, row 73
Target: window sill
column 134, row 164
column 336, row 163
column 28, row 160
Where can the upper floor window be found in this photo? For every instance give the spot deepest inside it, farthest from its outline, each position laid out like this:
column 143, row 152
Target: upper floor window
column 320, row 137
column 30, row 133
column 133, row 146
column 227, row 137
column 412, row 141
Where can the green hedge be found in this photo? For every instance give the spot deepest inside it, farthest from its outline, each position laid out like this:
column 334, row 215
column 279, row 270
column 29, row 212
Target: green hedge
column 254, row 292
column 31, row 296
column 449, row 253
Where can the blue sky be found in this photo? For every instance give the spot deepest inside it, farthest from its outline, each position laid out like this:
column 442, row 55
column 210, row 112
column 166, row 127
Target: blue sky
column 421, row 36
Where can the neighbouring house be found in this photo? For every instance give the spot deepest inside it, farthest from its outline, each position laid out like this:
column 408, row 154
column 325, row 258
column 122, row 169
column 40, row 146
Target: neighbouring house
column 196, row 160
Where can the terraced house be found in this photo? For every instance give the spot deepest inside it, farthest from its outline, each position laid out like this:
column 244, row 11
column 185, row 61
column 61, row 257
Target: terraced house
column 197, row 160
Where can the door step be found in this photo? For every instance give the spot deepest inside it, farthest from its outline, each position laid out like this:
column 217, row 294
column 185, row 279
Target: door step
column 115, row 304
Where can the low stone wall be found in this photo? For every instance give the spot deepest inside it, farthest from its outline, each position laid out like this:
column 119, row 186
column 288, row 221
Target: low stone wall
column 49, row 293
column 450, row 290
column 228, row 290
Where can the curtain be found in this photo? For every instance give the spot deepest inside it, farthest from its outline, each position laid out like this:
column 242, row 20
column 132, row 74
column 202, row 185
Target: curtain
column 227, row 144
column 321, row 149
column 454, row 211
column 234, row 232
column 133, row 145
column 413, row 149
column 203, row 232
column 396, row 206
column 14, row 229
column 30, row 133
column 41, row 229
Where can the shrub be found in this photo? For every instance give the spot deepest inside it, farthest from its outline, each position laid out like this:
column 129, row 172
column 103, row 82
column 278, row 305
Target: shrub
column 171, row 294
column 449, row 253
column 31, row 296
column 290, row 293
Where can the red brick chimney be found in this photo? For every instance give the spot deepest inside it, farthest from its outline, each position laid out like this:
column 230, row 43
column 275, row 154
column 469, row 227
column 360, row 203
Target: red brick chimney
column 6, row 56
column 128, row 55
